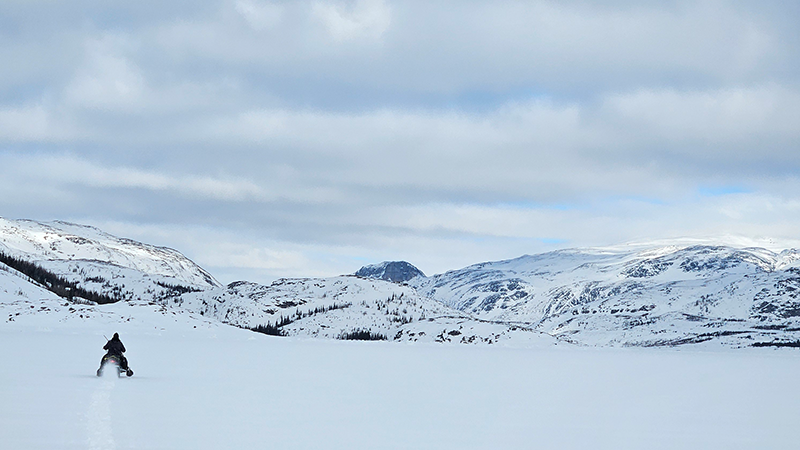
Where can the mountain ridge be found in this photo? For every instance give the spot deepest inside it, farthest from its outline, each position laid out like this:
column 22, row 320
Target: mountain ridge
column 648, row 296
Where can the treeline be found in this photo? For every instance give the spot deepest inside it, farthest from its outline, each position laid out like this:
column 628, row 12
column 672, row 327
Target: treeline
column 270, row 329
column 177, row 289
column 275, row 329
column 355, row 335
column 52, row 282
column 362, row 335
column 795, row 344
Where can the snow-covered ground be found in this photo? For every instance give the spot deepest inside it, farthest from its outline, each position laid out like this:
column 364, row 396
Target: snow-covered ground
column 203, row 385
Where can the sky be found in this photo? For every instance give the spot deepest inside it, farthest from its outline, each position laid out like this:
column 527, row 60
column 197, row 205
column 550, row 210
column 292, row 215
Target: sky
column 308, row 138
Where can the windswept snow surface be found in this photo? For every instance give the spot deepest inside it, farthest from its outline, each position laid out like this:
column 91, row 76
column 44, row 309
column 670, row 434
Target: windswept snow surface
column 201, row 385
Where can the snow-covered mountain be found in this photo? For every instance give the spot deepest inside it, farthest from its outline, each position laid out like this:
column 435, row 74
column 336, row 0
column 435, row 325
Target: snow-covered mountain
column 121, row 269
column 335, row 307
column 162, row 278
column 646, row 296
column 643, row 296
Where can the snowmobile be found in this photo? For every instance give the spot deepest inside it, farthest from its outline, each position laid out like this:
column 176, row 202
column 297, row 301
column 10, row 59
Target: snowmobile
column 116, row 362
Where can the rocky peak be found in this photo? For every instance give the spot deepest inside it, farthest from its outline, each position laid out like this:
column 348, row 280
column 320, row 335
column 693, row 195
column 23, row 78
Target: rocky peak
column 396, row 271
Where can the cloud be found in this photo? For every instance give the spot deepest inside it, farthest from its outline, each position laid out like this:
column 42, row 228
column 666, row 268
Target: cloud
column 440, row 237
column 721, row 115
column 429, row 52
column 260, row 15
column 107, row 80
column 234, row 255
column 30, row 123
column 68, row 170
column 542, row 151
column 445, row 133
column 39, row 122
column 352, row 20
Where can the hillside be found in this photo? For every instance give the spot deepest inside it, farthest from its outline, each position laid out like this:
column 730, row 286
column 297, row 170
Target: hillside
column 643, row 296
column 122, row 270
column 646, row 296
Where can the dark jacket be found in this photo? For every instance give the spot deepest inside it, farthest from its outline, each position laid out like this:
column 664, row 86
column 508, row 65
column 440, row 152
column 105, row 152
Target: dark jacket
column 114, row 346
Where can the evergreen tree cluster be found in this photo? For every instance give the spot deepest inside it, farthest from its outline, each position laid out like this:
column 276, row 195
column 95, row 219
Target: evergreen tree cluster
column 298, row 315
column 52, row 282
column 270, row 329
column 94, row 279
column 177, row 289
column 795, row 344
column 275, row 329
column 362, row 335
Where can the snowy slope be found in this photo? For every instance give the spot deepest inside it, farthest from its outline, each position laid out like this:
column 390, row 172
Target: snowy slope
column 332, row 307
column 16, row 286
column 658, row 295
column 654, row 296
column 102, row 263
column 145, row 275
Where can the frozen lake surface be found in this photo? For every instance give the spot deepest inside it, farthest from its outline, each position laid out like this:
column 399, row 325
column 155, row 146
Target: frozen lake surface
column 214, row 387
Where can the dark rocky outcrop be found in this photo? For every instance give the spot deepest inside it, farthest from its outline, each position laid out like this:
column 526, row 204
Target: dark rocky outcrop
column 396, row 271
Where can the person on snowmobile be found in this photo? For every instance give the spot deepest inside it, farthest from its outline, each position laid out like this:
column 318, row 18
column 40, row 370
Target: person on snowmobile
column 115, row 347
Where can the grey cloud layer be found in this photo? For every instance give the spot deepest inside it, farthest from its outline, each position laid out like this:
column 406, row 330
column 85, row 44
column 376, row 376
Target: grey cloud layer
column 370, row 127
column 436, row 49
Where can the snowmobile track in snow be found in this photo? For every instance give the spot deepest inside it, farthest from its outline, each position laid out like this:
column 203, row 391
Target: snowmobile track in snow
column 100, row 434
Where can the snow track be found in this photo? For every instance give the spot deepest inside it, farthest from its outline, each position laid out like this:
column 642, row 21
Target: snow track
column 100, row 433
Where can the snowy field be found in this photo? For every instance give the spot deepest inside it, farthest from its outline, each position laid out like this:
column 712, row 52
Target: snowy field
column 216, row 387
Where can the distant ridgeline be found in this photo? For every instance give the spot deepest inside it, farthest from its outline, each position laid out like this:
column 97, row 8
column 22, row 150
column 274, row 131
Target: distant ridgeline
column 52, row 282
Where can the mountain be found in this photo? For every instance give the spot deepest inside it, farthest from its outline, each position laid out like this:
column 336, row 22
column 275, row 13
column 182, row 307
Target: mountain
column 396, row 271
column 337, row 306
column 86, row 266
column 652, row 296
column 649, row 295
column 116, row 268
